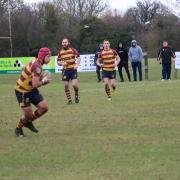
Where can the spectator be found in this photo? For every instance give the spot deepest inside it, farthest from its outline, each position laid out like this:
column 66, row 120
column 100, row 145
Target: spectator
column 123, row 54
column 166, row 53
column 136, row 56
column 98, row 68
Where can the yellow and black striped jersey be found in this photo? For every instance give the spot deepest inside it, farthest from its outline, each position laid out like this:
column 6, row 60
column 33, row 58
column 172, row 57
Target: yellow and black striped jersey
column 69, row 56
column 108, row 58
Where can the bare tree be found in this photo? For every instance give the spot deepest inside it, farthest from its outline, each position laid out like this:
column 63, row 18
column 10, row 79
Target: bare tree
column 174, row 6
column 147, row 9
column 81, row 8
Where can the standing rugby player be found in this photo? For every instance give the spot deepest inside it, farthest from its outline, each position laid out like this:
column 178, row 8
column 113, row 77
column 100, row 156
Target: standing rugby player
column 108, row 60
column 26, row 90
column 69, row 58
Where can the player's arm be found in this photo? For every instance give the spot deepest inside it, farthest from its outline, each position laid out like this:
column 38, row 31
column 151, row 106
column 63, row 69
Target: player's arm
column 77, row 58
column 37, row 81
column 98, row 62
column 60, row 61
column 117, row 60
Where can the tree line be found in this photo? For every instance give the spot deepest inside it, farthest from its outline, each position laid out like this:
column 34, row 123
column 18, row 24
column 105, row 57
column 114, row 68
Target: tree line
column 86, row 23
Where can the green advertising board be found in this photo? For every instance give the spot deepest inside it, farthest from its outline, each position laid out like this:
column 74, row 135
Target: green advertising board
column 15, row 65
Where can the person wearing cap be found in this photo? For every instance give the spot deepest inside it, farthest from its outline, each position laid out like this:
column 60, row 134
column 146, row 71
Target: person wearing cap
column 123, row 54
column 98, row 68
column 136, row 56
column 166, row 53
column 26, row 91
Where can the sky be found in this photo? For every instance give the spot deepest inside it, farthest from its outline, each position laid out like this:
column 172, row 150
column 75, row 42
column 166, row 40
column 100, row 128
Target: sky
column 121, row 5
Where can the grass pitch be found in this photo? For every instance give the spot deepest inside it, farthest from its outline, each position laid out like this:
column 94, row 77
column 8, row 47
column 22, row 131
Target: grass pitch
column 136, row 136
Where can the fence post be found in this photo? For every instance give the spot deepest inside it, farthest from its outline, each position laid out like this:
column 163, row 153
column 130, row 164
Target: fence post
column 175, row 72
column 145, row 55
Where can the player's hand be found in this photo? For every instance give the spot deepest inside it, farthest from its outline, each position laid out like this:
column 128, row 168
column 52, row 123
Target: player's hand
column 64, row 63
column 101, row 65
column 46, row 78
column 76, row 67
column 115, row 65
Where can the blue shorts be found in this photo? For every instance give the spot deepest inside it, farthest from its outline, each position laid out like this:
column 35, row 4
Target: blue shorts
column 109, row 74
column 25, row 99
column 69, row 74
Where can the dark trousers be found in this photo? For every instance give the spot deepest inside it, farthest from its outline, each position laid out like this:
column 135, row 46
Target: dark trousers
column 98, row 72
column 166, row 71
column 135, row 66
column 125, row 65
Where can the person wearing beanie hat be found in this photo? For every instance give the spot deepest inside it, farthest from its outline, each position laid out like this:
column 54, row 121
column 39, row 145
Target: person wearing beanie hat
column 136, row 56
column 26, row 91
column 69, row 58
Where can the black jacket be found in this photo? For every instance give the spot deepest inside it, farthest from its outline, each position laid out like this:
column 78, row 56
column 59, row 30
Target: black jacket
column 166, row 53
column 96, row 55
column 123, row 54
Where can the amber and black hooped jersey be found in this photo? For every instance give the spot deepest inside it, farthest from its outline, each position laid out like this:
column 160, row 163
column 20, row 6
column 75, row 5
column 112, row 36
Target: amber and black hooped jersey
column 24, row 83
column 69, row 56
column 108, row 58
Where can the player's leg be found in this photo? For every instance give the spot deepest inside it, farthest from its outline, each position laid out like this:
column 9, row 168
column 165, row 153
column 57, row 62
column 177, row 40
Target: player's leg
column 36, row 99
column 42, row 108
column 26, row 115
column 24, row 102
column 65, row 79
column 112, row 78
column 113, row 84
column 76, row 90
column 75, row 85
column 107, row 89
column 106, row 83
column 67, row 92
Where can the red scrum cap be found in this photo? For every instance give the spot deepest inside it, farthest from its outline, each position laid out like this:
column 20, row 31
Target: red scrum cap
column 43, row 52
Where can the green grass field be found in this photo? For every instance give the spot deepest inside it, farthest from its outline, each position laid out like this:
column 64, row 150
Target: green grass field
column 136, row 136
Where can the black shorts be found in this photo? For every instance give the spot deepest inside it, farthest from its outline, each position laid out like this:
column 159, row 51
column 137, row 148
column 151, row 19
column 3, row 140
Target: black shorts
column 109, row 74
column 69, row 74
column 25, row 99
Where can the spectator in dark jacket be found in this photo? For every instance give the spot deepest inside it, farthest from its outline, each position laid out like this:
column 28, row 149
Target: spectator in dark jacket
column 98, row 68
column 123, row 54
column 166, row 53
